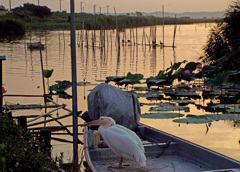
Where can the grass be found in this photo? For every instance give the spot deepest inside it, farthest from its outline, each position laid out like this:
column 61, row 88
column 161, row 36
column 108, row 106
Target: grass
column 61, row 21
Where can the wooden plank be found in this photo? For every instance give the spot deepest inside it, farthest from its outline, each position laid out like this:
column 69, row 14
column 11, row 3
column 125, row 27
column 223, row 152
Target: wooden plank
column 47, row 113
column 33, row 106
column 54, row 127
column 50, row 120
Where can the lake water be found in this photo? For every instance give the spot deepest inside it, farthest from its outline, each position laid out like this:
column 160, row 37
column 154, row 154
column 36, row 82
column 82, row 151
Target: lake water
column 22, row 75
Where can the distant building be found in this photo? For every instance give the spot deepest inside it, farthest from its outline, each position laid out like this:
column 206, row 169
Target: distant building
column 3, row 10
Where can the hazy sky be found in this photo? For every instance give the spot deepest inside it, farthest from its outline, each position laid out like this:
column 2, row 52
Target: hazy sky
column 129, row 5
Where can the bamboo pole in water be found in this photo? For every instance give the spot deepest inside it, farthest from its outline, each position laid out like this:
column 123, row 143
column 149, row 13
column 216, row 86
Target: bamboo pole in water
column 30, row 32
column 111, row 39
column 163, row 23
column 133, row 36
column 136, row 37
column 82, row 37
column 86, row 38
column 148, row 40
column 174, row 32
column 143, row 37
column 117, row 31
column 93, row 39
column 45, row 35
column 125, row 37
column 63, row 39
column 104, row 40
column 130, row 35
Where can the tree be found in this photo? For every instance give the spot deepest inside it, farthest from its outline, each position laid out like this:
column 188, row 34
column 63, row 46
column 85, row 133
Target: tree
column 224, row 39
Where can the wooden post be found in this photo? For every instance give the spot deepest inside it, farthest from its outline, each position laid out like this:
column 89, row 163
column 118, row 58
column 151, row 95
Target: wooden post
column 22, row 121
column 174, row 32
column 2, row 57
column 45, row 134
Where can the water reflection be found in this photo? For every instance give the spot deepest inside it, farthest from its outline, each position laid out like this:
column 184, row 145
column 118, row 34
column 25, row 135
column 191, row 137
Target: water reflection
column 22, row 69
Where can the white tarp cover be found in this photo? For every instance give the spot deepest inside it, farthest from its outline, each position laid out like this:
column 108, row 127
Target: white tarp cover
column 107, row 100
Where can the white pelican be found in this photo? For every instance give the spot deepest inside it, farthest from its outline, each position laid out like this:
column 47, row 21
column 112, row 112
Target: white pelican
column 122, row 141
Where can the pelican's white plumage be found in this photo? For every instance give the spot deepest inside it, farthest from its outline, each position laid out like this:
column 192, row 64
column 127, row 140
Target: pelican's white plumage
column 122, row 141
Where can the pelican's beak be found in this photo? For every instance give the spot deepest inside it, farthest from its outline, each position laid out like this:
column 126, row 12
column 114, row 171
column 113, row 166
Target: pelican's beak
column 92, row 123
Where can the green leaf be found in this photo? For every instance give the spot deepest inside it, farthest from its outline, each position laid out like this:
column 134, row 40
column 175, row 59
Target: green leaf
column 114, row 78
column 160, row 74
column 47, row 73
column 161, row 115
column 193, row 119
column 134, row 78
column 219, row 79
column 61, row 86
column 191, row 66
column 169, row 108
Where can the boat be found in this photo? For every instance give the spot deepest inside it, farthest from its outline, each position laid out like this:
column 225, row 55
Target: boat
column 164, row 152
column 35, row 45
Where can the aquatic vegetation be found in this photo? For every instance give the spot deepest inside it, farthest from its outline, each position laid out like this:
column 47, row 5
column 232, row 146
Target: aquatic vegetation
column 114, row 78
column 175, row 71
column 166, row 115
column 47, row 73
column 183, row 102
column 170, row 107
column 193, row 119
column 61, row 86
column 125, row 80
column 218, row 80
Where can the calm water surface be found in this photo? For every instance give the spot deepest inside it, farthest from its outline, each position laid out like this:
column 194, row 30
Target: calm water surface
column 22, row 75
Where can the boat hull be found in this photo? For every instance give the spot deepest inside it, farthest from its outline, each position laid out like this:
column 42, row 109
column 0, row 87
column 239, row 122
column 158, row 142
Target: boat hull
column 164, row 152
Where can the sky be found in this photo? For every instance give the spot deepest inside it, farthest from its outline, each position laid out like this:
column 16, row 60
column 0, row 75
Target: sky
column 175, row 6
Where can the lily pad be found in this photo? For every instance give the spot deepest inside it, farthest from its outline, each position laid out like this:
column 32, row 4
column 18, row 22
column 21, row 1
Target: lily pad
column 219, row 79
column 134, row 78
column 182, row 85
column 61, row 86
column 223, row 116
column 161, row 115
column 169, row 108
column 188, row 94
column 83, row 83
column 237, row 122
column 140, row 89
column 153, row 81
column 123, row 82
column 183, row 102
column 234, row 110
column 149, row 94
column 114, row 78
column 157, row 104
column 194, row 119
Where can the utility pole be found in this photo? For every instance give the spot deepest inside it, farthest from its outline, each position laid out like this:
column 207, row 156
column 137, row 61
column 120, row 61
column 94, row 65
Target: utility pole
column 81, row 7
column 99, row 10
column 107, row 9
column 60, row 5
column 94, row 9
column 10, row 5
column 38, row 3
